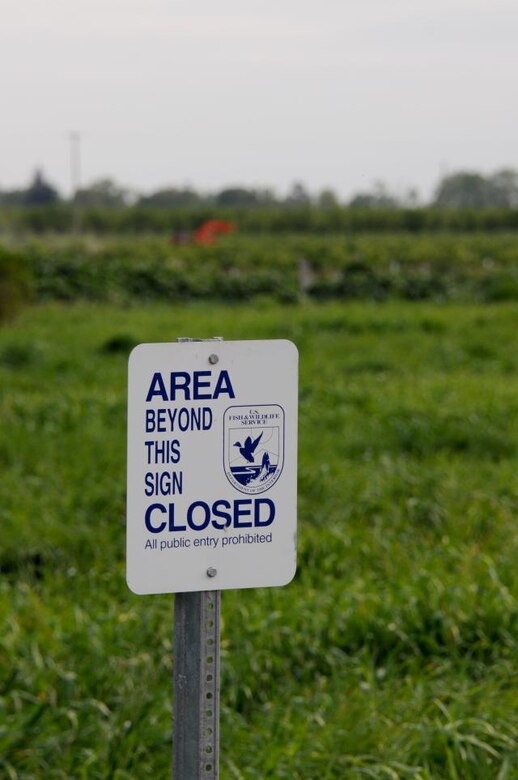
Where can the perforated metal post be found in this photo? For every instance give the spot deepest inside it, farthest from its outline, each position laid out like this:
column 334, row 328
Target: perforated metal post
column 196, row 678
column 196, row 686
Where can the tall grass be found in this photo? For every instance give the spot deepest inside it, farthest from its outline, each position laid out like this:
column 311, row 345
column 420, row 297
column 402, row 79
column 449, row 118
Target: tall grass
column 394, row 652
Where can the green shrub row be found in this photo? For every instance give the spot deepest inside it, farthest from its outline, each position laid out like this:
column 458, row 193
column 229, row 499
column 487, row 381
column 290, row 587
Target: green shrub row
column 15, row 282
column 431, row 267
column 62, row 218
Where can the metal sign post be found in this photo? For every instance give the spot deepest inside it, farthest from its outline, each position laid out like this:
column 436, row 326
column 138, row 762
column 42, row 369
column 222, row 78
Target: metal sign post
column 196, row 686
column 196, row 681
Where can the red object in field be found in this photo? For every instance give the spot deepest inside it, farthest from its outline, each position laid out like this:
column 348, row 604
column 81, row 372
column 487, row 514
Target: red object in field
column 208, row 232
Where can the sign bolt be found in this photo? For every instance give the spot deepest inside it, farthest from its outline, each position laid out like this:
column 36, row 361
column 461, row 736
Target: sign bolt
column 213, row 359
column 211, row 571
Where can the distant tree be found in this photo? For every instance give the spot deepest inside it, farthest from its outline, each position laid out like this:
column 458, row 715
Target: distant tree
column 39, row 192
column 380, row 197
column 102, row 193
column 466, row 189
column 504, row 184
column 327, row 199
column 12, row 197
column 236, row 196
column 298, row 195
column 411, row 198
column 246, row 197
column 171, row 197
column 266, row 197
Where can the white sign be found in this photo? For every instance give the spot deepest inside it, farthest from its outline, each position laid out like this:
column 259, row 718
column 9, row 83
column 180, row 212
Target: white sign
column 212, row 465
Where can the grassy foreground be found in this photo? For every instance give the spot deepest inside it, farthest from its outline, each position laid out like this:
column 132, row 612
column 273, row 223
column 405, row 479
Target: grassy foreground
column 393, row 654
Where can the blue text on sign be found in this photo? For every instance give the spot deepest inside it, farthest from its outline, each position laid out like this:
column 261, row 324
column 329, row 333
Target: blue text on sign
column 240, row 513
column 195, row 386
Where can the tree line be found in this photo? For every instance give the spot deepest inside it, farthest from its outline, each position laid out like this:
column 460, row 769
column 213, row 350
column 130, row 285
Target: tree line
column 463, row 189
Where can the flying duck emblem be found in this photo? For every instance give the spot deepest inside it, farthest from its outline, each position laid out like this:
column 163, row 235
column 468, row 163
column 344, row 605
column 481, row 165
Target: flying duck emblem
column 249, row 447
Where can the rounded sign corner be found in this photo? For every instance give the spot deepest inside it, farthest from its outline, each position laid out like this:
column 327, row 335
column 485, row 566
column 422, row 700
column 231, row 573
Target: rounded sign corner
column 134, row 588
column 290, row 576
column 133, row 355
column 292, row 346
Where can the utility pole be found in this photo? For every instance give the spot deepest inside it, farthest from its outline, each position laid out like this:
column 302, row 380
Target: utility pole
column 75, row 179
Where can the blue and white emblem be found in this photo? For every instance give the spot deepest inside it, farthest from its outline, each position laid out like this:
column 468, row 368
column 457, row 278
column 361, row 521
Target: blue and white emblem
column 253, row 446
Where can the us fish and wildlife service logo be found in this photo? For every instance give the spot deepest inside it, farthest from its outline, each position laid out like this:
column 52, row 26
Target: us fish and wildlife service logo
column 253, row 446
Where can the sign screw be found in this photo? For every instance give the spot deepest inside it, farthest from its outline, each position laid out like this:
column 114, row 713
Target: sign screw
column 211, row 571
column 213, row 359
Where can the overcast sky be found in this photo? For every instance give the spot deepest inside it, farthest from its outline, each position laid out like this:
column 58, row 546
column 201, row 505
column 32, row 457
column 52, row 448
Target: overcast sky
column 334, row 93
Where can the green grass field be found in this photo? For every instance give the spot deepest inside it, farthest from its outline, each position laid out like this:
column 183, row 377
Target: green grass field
column 393, row 654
